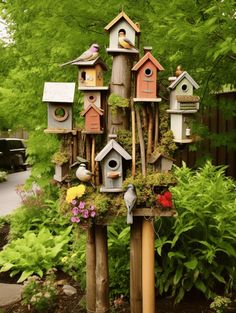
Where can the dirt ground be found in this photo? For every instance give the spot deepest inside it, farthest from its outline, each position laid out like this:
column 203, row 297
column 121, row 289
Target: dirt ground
column 194, row 302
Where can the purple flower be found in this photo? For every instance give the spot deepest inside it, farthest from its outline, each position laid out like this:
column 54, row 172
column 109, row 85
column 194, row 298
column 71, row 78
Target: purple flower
column 75, row 211
column 85, row 214
column 92, row 207
column 93, row 214
column 73, row 202
column 75, row 219
column 81, row 204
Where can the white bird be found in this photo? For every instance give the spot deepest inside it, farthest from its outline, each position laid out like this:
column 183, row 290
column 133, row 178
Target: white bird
column 89, row 55
column 130, row 198
column 83, row 174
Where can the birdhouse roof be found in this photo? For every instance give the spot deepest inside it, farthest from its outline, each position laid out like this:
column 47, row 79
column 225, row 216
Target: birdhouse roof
column 156, row 156
column 112, row 144
column 181, row 77
column 128, row 20
column 92, row 106
column 98, row 60
column 147, row 56
column 58, row 92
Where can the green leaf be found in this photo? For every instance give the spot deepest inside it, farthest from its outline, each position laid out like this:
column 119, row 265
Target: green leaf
column 25, row 275
column 192, row 264
column 6, row 267
column 219, row 277
column 201, row 286
column 178, row 275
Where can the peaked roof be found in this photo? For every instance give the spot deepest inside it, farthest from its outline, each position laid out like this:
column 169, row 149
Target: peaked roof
column 98, row 60
column 181, row 77
column 120, row 16
column 112, row 144
column 91, row 105
column 147, row 56
column 158, row 155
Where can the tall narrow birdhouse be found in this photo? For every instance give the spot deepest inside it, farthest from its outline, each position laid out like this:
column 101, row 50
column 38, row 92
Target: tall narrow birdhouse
column 146, row 71
column 183, row 104
column 111, row 157
column 60, row 97
column 122, row 24
column 92, row 119
column 90, row 72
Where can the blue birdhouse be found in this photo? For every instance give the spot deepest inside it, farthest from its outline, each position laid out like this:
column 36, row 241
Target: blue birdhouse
column 111, row 157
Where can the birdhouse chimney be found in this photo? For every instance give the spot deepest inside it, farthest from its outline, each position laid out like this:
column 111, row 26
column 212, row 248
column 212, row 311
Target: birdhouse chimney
column 112, row 136
column 172, row 79
column 147, row 49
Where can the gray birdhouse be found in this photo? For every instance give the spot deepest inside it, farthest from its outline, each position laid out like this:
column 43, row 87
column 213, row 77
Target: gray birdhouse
column 183, row 104
column 90, row 73
column 122, row 23
column 59, row 97
column 161, row 162
column 92, row 97
column 111, row 157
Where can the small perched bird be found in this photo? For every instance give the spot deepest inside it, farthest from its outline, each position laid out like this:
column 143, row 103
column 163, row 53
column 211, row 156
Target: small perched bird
column 83, row 174
column 130, row 198
column 178, row 71
column 124, row 42
column 89, row 55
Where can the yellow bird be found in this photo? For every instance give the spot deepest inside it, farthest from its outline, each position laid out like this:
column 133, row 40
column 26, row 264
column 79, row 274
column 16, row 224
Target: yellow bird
column 124, row 42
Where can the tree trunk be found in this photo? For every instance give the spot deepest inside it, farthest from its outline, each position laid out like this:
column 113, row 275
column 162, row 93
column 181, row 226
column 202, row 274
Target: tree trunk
column 90, row 270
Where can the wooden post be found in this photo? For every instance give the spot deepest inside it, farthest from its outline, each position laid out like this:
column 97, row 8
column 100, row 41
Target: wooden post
column 90, row 270
column 150, row 131
column 121, row 86
column 93, row 157
column 148, row 277
column 141, row 142
column 156, row 131
column 88, row 150
column 102, row 276
column 133, row 138
column 75, row 148
column 136, row 266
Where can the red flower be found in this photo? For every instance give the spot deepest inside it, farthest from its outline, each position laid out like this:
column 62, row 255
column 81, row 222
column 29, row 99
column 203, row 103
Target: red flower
column 168, row 195
column 165, row 200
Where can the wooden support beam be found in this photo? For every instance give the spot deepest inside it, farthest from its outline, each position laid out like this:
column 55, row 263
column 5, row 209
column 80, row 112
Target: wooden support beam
column 148, row 277
column 136, row 266
column 142, row 143
column 90, row 270
column 102, row 275
column 133, row 138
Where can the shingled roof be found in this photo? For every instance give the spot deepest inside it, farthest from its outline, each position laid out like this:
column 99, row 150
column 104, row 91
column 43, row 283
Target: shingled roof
column 181, row 77
column 128, row 20
column 148, row 56
column 112, row 144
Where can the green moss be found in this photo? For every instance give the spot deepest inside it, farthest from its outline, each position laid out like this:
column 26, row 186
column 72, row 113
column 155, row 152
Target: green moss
column 115, row 101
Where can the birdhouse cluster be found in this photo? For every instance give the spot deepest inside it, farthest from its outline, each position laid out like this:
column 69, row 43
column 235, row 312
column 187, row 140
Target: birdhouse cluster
column 143, row 74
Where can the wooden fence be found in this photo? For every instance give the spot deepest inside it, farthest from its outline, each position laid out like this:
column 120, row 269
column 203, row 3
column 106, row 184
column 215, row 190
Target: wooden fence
column 216, row 123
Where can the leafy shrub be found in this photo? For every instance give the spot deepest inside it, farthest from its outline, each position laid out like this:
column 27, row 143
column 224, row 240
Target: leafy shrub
column 198, row 248
column 3, row 176
column 118, row 247
column 34, row 253
column 39, row 294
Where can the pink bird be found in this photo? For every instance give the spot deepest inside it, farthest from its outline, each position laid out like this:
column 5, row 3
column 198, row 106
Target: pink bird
column 89, row 55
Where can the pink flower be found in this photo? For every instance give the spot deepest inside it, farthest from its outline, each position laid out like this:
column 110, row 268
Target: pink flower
column 85, row 214
column 75, row 219
column 93, row 214
column 92, row 207
column 75, row 211
column 73, row 202
column 81, row 204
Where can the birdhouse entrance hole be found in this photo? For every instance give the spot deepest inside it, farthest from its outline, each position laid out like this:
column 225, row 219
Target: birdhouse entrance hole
column 184, row 87
column 148, row 72
column 83, row 75
column 122, row 31
column 92, row 98
column 113, row 164
column 60, row 114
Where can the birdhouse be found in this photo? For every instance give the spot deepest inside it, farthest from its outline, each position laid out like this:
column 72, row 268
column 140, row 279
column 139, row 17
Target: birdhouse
column 61, row 171
column 122, row 24
column 92, row 119
column 90, row 73
column 111, row 157
column 146, row 71
column 92, row 97
column 181, row 93
column 183, row 104
column 60, row 97
column 161, row 162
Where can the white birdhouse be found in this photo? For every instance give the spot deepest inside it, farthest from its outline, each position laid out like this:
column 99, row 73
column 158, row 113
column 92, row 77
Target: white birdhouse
column 60, row 97
column 122, row 23
column 183, row 104
column 111, row 157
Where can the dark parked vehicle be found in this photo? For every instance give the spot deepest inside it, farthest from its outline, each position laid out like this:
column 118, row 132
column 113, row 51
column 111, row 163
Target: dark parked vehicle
column 12, row 154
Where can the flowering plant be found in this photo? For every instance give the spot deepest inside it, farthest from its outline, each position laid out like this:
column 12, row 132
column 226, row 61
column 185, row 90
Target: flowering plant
column 165, row 200
column 81, row 213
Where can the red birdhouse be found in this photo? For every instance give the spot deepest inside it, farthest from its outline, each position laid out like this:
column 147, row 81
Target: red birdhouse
column 92, row 119
column 146, row 77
